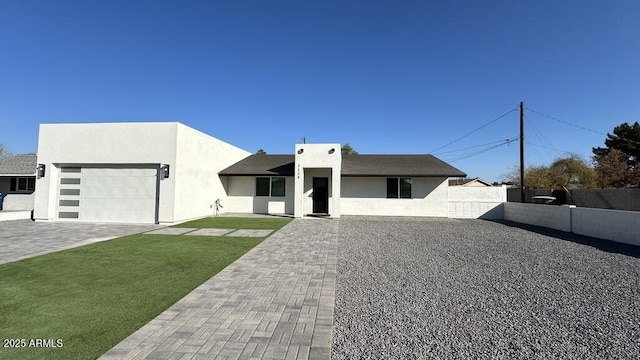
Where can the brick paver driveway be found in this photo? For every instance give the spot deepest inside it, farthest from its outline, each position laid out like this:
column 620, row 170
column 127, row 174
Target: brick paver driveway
column 23, row 239
column 275, row 302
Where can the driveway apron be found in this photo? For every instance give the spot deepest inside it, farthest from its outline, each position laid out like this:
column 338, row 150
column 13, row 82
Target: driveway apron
column 275, row 302
column 21, row 239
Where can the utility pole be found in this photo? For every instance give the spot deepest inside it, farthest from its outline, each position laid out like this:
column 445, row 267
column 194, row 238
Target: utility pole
column 521, row 152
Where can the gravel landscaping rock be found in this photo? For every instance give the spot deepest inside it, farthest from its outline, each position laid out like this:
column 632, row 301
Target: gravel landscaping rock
column 443, row 288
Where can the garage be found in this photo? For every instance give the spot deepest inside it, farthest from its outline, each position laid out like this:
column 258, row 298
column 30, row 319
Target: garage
column 108, row 193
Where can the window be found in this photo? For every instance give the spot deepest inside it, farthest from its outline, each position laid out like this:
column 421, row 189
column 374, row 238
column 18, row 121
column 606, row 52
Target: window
column 70, row 169
column 270, row 186
column 69, row 191
column 23, row 184
column 399, row 188
column 69, row 181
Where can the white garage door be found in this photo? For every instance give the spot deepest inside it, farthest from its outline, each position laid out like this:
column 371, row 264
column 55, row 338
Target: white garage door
column 125, row 194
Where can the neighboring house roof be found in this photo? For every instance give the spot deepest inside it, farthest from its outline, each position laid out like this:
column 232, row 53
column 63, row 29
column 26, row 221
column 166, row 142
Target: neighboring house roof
column 352, row 165
column 397, row 165
column 23, row 164
column 253, row 165
column 468, row 182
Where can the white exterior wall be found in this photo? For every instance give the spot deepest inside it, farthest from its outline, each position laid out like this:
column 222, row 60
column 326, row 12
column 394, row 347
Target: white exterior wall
column 15, row 215
column 312, row 157
column 194, row 159
column 104, row 143
column 616, row 225
column 199, row 158
column 550, row 216
column 241, row 197
column 473, row 202
column 18, row 202
column 368, row 196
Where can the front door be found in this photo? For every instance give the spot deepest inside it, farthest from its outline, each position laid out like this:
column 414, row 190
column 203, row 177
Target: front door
column 320, row 195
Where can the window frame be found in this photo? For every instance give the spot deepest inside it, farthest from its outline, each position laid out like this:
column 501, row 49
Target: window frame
column 29, row 184
column 270, row 180
column 398, row 192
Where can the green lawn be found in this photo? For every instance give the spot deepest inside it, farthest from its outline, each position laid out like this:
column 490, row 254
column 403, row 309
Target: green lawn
column 266, row 223
column 94, row 296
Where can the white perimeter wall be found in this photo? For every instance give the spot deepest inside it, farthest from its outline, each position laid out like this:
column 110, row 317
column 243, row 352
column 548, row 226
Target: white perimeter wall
column 241, row 197
column 550, row 216
column 368, row 196
column 470, row 202
column 199, row 158
column 17, row 202
column 617, row 225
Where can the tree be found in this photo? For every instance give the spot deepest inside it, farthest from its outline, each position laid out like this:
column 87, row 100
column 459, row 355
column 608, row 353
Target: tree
column 569, row 172
column 617, row 165
column 3, row 150
column 625, row 138
column 535, row 177
column 348, row 150
column 261, row 152
column 538, row 177
column 572, row 172
column 612, row 170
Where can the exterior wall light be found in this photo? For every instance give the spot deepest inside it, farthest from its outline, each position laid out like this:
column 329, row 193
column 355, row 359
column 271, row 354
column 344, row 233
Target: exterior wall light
column 40, row 170
column 300, row 151
column 165, row 171
column 332, row 150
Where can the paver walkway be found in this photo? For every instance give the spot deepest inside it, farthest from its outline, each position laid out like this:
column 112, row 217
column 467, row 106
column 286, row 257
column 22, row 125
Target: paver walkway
column 275, row 302
column 21, row 239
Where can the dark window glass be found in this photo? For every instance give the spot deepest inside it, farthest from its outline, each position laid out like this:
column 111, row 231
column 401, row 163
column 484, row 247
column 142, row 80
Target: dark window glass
column 277, row 187
column 392, row 188
column 14, row 184
column 70, row 169
column 69, row 191
column 262, row 186
column 405, row 188
column 22, row 184
column 67, row 215
column 69, row 202
column 70, row 181
column 31, row 184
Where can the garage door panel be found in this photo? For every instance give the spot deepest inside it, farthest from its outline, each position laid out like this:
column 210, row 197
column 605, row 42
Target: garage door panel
column 111, row 194
column 114, row 204
column 117, row 216
column 116, row 192
column 119, row 172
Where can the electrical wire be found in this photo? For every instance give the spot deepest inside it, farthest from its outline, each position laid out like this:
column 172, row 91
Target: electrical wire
column 540, row 135
column 473, row 131
column 470, row 147
column 581, row 127
column 504, row 142
column 556, row 149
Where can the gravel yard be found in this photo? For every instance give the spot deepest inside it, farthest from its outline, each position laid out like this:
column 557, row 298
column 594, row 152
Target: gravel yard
column 443, row 288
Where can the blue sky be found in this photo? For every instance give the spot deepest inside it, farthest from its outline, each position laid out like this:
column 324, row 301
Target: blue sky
column 385, row 76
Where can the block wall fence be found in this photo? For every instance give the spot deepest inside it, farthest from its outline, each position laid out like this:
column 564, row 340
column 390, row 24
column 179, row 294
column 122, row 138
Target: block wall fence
column 616, row 225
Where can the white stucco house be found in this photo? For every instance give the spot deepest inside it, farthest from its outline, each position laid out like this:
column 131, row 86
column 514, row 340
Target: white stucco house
column 17, row 182
column 168, row 172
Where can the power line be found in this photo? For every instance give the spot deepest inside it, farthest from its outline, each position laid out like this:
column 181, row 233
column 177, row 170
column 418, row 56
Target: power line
column 529, row 125
column 470, row 147
column 504, row 142
column 473, row 131
column 552, row 148
column 582, row 127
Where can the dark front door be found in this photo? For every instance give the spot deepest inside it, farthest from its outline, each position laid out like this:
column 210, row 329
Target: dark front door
column 320, row 195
